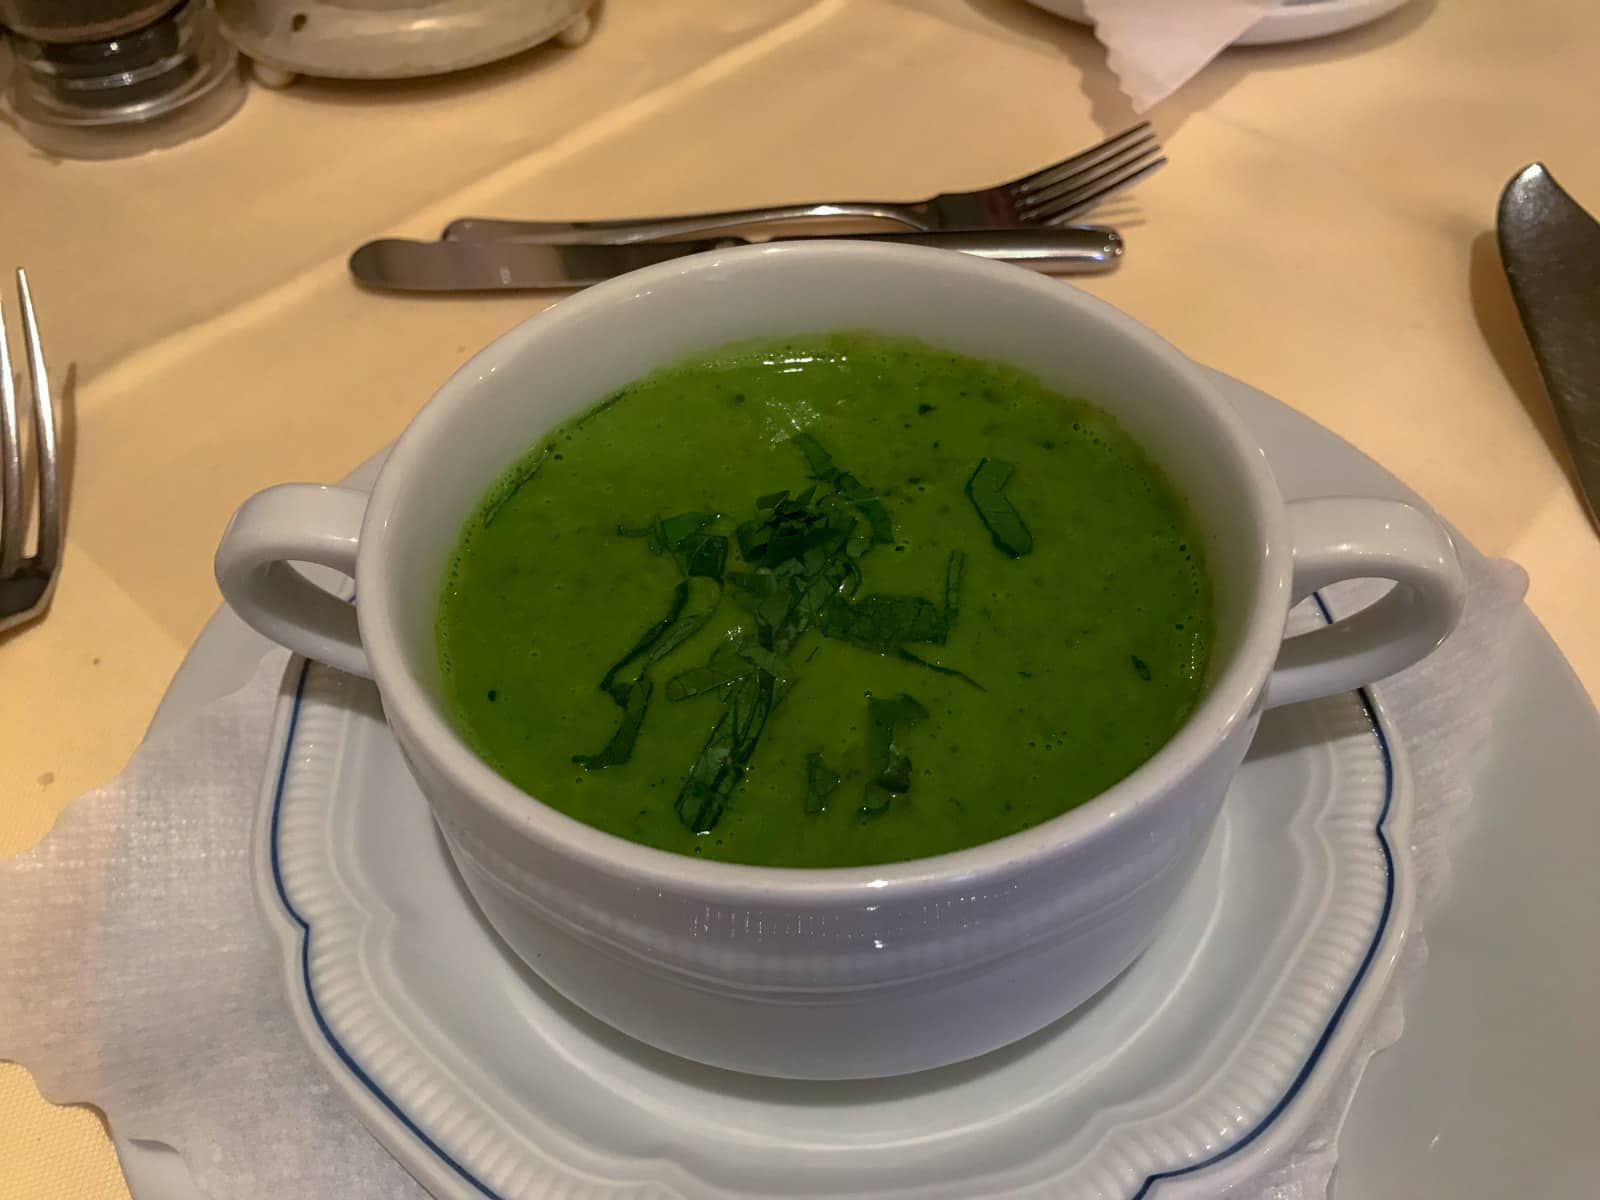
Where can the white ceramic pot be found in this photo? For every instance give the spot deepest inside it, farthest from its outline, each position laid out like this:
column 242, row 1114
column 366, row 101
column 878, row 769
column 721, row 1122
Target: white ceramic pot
column 862, row 971
column 392, row 39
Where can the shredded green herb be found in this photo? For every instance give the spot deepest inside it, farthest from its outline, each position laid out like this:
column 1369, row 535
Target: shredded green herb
column 889, row 766
column 821, row 782
column 728, row 663
column 884, row 623
column 620, row 748
column 986, row 489
column 952, row 586
column 695, row 552
column 675, row 530
column 693, row 601
column 801, row 556
column 722, row 761
column 880, row 623
column 938, row 668
column 703, row 556
column 608, row 682
column 510, row 489
column 848, row 486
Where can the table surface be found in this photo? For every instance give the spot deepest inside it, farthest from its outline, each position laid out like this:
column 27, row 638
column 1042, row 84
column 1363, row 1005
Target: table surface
column 1324, row 231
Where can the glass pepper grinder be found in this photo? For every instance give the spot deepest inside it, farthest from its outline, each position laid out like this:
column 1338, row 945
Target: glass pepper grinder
column 112, row 78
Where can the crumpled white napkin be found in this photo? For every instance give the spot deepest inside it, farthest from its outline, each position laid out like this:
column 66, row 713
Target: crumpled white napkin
column 1156, row 46
column 136, row 972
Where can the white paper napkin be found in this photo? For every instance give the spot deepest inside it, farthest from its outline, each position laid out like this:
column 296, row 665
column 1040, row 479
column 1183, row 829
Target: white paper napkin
column 136, row 972
column 1156, row 46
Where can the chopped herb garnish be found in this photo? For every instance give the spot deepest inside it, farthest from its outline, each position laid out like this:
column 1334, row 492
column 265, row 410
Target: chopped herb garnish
column 889, row 766
column 821, row 782
column 693, row 601
column 817, row 458
column 696, row 553
column 902, row 652
column 1140, row 667
column 880, row 623
column 952, row 586
column 703, row 556
column 620, row 748
column 594, row 412
column 883, row 623
column 724, row 668
column 870, row 506
column 510, row 489
column 792, row 529
column 848, row 486
column 986, row 489
column 608, row 682
column 702, row 597
column 801, row 555
column 676, row 530
column 706, row 679
column 722, row 761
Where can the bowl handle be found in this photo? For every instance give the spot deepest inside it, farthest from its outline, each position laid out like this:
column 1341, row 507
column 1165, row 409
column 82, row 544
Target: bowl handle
column 1339, row 539
column 296, row 523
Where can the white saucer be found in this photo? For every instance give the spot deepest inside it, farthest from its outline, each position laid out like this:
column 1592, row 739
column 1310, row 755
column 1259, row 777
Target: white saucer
column 1292, row 21
column 1208, row 1054
column 618, row 1074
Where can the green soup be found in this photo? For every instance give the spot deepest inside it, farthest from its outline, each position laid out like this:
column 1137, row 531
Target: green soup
column 827, row 602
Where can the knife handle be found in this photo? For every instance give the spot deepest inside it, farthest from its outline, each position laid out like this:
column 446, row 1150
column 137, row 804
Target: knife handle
column 1068, row 250
column 399, row 264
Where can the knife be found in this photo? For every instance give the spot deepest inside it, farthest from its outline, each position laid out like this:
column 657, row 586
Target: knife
column 1551, row 251
column 397, row 264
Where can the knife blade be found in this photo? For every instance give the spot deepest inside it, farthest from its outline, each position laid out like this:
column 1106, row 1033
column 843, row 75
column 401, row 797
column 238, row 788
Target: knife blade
column 1550, row 248
column 397, row 264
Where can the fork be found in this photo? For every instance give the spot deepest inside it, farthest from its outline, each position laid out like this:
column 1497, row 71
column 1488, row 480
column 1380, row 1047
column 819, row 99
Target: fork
column 1052, row 195
column 27, row 581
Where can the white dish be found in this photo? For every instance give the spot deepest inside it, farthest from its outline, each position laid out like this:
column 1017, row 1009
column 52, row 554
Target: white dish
column 1201, row 1059
column 1292, row 21
column 392, row 39
column 865, row 971
column 1547, row 722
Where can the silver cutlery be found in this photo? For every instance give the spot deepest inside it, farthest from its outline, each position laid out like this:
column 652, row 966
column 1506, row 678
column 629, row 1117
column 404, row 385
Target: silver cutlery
column 1551, row 251
column 398, row 264
column 27, row 581
column 1053, row 195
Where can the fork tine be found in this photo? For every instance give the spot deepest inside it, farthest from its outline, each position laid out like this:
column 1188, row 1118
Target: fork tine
column 1050, row 197
column 1044, row 177
column 11, row 531
column 44, row 436
column 1080, row 199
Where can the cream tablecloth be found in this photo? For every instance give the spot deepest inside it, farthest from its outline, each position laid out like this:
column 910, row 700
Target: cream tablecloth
column 1324, row 232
